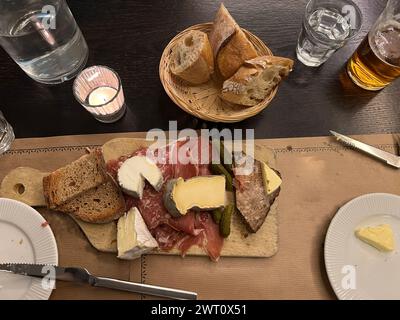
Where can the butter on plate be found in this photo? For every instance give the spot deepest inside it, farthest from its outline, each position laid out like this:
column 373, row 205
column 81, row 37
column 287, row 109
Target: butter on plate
column 380, row 237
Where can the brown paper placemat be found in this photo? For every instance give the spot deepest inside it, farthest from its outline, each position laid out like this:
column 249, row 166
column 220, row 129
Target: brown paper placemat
column 319, row 176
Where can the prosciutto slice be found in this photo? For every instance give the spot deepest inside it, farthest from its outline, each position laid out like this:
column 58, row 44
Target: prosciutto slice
column 195, row 228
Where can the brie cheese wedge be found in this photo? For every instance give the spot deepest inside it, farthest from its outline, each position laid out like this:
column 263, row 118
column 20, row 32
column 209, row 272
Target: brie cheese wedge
column 133, row 237
column 270, row 178
column 133, row 173
column 380, row 237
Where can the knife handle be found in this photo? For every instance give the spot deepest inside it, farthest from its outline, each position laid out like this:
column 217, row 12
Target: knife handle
column 144, row 289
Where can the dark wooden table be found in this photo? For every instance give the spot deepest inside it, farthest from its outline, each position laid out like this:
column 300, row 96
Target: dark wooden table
column 129, row 36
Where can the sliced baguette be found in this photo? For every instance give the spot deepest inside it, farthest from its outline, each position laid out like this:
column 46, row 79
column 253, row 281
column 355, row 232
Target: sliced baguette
column 255, row 80
column 74, row 179
column 101, row 204
column 192, row 58
column 224, row 27
column 231, row 48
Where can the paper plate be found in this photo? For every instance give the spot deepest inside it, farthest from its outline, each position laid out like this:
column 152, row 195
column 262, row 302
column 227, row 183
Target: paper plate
column 355, row 269
column 25, row 237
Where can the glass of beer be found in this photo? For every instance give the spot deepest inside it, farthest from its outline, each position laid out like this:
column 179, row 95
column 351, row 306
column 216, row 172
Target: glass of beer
column 376, row 62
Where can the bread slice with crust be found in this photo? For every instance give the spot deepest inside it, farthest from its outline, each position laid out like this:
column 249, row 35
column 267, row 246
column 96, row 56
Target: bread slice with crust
column 230, row 45
column 192, row 58
column 102, row 204
column 255, row 80
column 70, row 181
column 224, row 27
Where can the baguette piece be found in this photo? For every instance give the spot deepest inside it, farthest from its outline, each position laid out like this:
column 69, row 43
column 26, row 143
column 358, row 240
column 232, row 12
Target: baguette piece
column 74, row 179
column 102, row 204
column 255, row 80
column 231, row 48
column 192, row 58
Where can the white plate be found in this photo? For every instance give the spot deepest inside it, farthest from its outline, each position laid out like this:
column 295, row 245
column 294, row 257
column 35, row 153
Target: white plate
column 25, row 239
column 355, row 269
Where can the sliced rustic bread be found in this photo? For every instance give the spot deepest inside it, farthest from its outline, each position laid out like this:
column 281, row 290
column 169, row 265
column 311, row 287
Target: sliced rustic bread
column 101, row 204
column 252, row 202
column 230, row 45
column 74, row 179
column 192, row 58
column 255, row 80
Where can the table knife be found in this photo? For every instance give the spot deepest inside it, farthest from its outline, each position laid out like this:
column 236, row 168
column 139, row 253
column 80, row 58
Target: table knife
column 387, row 157
column 83, row 276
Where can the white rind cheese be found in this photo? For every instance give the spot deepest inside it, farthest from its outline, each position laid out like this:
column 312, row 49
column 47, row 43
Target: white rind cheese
column 270, row 178
column 133, row 237
column 133, row 173
column 380, row 237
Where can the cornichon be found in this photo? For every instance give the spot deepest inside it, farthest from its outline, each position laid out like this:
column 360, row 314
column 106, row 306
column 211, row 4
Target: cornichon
column 228, row 164
column 225, row 223
column 220, row 169
column 217, row 215
column 223, row 152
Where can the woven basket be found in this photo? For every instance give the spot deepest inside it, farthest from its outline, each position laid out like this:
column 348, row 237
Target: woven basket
column 203, row 101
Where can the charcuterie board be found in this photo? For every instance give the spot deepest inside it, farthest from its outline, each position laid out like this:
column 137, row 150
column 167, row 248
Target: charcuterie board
column 103, row 237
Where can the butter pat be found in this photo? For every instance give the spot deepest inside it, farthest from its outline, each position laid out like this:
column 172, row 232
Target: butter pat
column 270, row 178
column 381, row 237
column 133, row 237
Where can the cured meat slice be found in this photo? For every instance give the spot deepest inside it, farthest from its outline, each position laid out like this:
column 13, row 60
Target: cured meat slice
column 167, row 237
column 192, row 229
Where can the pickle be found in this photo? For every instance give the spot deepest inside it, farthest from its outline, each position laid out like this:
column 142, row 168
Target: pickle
column 217, row 215
column 222, row 153
column 220, row 169
column 225, row 223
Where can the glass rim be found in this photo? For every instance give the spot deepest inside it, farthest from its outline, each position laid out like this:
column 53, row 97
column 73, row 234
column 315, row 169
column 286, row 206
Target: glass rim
column 100, row 105
column 58, row 5
column 357, row 30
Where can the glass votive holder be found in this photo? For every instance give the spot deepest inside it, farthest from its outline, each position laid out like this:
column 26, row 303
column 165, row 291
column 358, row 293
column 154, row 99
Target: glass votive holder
column 99, row 90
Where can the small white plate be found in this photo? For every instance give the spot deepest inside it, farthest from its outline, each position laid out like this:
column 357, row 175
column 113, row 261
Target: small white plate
column 25, row 237
column 355, row 269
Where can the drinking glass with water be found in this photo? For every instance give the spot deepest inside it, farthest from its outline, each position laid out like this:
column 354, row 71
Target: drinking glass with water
column 43, row 39
column 6, row 134
column 327, row 25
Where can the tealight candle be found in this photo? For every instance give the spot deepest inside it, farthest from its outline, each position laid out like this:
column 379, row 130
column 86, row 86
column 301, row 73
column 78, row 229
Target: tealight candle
column 101, row 95
column 99, row 90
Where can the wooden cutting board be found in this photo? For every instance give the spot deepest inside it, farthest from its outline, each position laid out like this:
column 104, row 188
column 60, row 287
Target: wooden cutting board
column 23, row 184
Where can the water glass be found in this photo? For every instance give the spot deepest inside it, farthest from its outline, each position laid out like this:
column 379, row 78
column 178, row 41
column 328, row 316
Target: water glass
column 327, row 25
column 99, row 90
column 43, row 39
column 6, row 134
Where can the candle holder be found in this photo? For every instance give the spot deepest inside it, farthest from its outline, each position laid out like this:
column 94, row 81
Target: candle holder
column 99, row 90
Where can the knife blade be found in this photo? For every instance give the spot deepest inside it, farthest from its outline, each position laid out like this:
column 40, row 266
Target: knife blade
column 387, row 157
column 82, row 275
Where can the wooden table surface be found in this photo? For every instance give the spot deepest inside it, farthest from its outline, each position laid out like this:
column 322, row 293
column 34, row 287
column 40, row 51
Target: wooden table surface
column 129, row 36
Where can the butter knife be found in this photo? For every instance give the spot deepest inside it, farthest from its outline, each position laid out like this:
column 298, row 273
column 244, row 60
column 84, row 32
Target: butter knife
column 387, row 157
column 83, row 276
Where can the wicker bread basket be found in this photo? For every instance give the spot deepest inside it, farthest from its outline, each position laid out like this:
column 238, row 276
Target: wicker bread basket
column 203, row 101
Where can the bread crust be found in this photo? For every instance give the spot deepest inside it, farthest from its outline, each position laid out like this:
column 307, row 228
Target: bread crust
column 224, row 27
column 229, row 43
column 108, row 196
column 55, row 183
column 200, row 69
column 234, row 54
column 255, row 79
